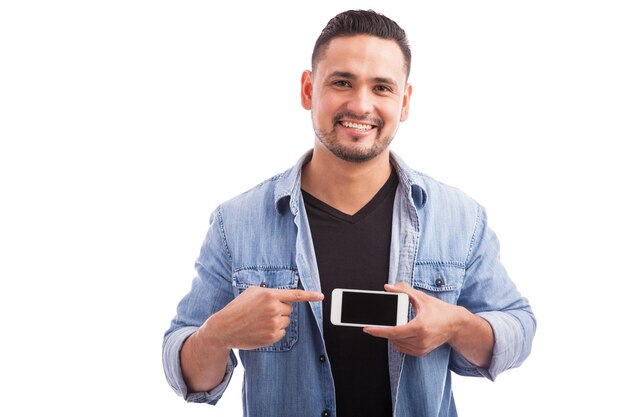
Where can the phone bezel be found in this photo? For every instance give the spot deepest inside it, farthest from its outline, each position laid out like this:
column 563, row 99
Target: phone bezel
column 402, row 310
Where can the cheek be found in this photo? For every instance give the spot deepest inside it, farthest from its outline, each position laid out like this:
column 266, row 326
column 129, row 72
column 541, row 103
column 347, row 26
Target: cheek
column 327, row 102
column 392, row 115
column 324, row 107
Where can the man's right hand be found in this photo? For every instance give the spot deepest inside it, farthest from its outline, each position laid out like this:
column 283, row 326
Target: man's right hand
column 257, row 317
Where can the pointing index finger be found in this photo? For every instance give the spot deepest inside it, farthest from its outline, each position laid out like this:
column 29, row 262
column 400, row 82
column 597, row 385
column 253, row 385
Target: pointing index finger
column 291, row 296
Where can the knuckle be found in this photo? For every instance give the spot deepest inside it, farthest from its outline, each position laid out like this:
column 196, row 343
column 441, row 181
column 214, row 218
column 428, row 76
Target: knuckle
column 277, row 335
column 274, row 309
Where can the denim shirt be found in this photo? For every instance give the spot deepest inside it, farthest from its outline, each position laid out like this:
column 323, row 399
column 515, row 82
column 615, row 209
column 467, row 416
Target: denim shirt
column 441, row 245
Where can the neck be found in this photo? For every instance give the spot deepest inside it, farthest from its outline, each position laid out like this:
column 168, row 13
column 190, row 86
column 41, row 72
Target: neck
column 346, row 186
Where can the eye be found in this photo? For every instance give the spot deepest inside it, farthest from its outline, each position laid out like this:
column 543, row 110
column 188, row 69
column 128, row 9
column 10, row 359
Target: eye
column 341, row 83
column 382, row 89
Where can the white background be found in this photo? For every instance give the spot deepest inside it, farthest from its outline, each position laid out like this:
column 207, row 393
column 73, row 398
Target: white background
column 124, row 123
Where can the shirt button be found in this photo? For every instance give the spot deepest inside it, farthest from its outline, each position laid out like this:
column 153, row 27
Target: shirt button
column 263, row 285
column 325, row 413
column 439, row 282
column 322, row 358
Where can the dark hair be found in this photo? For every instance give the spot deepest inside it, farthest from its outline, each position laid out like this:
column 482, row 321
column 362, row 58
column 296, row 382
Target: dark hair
column 362, row 22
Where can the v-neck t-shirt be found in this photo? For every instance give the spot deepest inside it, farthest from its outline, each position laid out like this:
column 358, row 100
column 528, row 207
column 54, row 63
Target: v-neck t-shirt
column 352, row 251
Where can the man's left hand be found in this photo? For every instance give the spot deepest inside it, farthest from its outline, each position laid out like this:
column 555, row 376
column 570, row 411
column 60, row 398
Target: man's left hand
column 435, row 323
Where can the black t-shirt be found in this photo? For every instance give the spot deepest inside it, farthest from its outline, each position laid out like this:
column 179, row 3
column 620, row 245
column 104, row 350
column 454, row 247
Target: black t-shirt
column 353, row 252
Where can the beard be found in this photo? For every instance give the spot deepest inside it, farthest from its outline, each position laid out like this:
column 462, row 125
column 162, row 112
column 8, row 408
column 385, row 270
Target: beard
column 353, row 153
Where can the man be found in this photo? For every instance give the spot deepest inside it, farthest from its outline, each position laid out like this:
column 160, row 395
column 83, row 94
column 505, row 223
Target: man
column 350, row 214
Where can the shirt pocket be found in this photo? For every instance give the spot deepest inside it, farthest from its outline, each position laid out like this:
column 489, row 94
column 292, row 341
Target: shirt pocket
column 438, row 280
column 278, row 279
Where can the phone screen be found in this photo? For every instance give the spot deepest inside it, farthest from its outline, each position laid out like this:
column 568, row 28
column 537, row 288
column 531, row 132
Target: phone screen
column 366, row 308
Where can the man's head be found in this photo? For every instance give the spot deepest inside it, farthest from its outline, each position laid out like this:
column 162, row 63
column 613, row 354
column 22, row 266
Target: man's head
column 362, row 22
column 358, row 91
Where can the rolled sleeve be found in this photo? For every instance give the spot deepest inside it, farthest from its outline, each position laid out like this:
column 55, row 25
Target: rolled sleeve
column 174, row 374
column 211, row 290
column 508, row 343
column 491, row 294
column 509, row 349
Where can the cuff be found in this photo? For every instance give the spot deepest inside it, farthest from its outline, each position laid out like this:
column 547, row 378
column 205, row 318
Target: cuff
column 508, row 342
column 172, row 345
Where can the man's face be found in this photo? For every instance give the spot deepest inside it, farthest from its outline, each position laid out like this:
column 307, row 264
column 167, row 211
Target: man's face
column 357, row 95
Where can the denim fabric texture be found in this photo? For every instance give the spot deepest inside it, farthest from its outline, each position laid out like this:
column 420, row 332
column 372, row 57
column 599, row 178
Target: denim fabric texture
column 441, row 245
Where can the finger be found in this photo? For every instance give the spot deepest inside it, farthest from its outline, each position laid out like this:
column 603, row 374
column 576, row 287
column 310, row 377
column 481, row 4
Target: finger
column 285, row 321
column 409, row 349
column 276, row 336
column 294, row 296
column 402, row 331
column 384, row 332
column 285, row 309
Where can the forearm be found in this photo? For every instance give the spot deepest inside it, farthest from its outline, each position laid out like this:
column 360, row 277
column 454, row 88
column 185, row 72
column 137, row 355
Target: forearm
column 203, row 360
column 473, row 338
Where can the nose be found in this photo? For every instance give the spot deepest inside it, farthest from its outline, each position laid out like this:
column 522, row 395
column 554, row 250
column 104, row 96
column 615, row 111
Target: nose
column 360, row 101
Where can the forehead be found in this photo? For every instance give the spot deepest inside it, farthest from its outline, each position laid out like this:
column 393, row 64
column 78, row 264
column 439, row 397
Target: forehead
column 362, row 55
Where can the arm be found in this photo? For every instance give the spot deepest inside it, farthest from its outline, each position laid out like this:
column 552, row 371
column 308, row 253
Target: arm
column 203, row 360
column 210, row 292
column 473, row 339
column 490, row 330
column 258, row 317
column 435, row 323
column 210, row 322
column 489, row 292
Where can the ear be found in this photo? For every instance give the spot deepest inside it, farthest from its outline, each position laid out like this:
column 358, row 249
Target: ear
column 306, row 89
column 405, row 102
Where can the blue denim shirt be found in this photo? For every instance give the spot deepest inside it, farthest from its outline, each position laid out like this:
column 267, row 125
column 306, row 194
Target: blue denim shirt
column 440, row 245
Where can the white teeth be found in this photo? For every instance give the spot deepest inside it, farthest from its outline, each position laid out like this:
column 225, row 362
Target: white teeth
column 357, row 126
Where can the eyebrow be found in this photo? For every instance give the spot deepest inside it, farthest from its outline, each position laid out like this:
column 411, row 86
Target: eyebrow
column 342, row 74
column 351, row 76
column 384, row 80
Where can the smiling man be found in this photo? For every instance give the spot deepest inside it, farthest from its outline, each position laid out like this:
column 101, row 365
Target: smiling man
column 349, row 214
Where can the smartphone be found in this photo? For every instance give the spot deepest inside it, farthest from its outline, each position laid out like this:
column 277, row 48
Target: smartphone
column 361, row 308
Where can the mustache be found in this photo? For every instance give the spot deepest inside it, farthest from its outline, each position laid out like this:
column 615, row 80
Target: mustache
column 365, row 118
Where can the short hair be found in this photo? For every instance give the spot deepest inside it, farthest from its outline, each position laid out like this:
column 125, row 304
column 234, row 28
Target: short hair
column 362, row 22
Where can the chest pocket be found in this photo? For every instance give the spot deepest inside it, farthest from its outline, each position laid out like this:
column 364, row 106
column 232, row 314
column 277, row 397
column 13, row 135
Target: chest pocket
column 441, row 281
column 272, row 278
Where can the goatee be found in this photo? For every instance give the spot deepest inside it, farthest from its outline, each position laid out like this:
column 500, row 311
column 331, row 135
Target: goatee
column 356, row 153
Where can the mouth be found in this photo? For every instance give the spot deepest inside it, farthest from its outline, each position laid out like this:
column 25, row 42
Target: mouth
column 362, row 127
column 357, row 126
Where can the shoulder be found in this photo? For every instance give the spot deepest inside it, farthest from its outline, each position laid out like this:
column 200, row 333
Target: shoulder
column 253, row 197
column 441, row 196
column 254, row 208
column 252, row 205
column 448, row 220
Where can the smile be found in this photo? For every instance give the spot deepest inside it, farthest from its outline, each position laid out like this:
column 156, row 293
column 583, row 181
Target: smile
column 357, row 126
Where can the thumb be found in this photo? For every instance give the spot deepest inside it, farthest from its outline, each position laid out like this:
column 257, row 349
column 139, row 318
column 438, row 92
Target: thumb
column 403, row 287
column 399, row 287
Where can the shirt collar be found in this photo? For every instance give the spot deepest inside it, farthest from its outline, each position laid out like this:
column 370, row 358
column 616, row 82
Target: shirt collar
column 287, row 190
